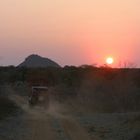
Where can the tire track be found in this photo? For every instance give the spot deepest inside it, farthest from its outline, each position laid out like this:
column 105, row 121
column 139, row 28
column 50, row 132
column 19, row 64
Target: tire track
column 74, row 130
column 41, row 129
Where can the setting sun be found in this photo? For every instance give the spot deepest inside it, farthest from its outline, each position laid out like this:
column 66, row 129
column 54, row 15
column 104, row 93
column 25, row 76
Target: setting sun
column 109, row 60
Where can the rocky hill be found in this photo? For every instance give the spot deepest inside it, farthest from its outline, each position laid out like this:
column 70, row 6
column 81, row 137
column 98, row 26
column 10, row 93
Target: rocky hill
column 36, row 61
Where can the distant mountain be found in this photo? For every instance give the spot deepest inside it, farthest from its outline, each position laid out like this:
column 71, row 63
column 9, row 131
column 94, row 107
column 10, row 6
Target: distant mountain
column 35, row 61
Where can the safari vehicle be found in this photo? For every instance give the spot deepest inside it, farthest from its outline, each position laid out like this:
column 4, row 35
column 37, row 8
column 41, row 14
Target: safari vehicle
column 39, row 96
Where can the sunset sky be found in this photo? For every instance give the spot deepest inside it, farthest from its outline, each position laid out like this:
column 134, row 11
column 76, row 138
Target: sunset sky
column 70, row 32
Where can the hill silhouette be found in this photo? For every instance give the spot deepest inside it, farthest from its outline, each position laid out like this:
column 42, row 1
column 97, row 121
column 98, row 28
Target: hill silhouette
column 36, row 61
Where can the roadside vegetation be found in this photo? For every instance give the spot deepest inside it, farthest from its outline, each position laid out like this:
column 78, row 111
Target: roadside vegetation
column 88, row 87
column 7, row 108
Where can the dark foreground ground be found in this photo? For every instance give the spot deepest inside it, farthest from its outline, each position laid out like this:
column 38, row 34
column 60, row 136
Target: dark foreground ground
column 59, row 122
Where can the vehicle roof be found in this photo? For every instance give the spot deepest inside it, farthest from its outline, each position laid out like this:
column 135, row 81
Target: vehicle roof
column 39, row 87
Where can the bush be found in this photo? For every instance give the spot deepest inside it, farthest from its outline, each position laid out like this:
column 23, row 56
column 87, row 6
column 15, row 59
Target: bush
column 7, row 108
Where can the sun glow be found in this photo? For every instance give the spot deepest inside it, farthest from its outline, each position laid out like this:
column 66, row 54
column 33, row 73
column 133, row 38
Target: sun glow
column 109, row 60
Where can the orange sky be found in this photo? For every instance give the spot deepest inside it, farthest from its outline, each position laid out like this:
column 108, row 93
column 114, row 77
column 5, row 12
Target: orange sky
column 72, row 32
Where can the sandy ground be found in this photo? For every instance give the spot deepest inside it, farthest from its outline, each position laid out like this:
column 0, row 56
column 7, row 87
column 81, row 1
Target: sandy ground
column 57, row 123
column 51, row 123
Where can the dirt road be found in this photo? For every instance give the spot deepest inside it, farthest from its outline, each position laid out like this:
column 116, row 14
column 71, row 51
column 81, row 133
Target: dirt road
column 56, row 129
column 58, row 122
column 50, row 124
